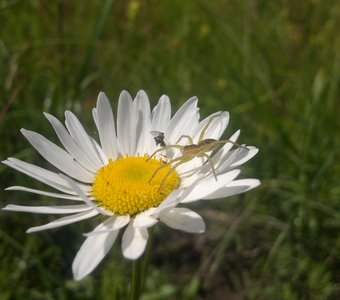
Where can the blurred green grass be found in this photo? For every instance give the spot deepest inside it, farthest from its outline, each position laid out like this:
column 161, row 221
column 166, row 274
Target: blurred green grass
column 274, row 65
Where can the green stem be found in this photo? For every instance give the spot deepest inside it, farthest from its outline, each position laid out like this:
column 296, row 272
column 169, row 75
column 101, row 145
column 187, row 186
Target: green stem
column 136, row 280
column 139, row 271
column 146, row 260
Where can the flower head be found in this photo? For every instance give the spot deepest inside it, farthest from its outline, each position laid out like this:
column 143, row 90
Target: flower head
column 130, row 177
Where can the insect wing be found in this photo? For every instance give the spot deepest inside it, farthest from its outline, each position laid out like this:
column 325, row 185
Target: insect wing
column 158, row 137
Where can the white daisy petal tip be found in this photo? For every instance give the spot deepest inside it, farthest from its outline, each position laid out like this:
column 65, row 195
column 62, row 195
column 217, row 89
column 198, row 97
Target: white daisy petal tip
column 102, row 95
column 254, row 182
column 100, row 99
column 184, row 219
column 92, row 252
column 47, row 115
column 233, row 188
column 24, row 131
column 7, row 207
column 142, row 93
column 125, row 93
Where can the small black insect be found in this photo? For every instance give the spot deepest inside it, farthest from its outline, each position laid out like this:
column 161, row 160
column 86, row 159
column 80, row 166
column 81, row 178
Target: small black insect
column 159, row 138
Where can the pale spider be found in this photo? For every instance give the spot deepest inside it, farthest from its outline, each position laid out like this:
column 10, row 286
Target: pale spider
column 191, row 151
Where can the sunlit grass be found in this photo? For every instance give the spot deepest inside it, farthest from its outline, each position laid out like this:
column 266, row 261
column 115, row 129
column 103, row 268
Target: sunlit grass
column 274, row 65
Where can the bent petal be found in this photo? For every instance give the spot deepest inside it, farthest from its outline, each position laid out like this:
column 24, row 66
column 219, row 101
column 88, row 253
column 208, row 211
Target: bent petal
column 184, row 219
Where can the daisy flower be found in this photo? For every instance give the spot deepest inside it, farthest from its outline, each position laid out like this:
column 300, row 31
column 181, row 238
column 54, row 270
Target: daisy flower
column 120, row 177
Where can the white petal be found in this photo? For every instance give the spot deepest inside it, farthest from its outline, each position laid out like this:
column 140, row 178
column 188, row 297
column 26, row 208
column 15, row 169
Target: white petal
column 143, row 122
column 126, row 141
column 92, row 251
column 161, row 114
column 222, row 153
column 134, row 242
column 116, row 223
column 244, row 155
column 64, row 221
column 106, row 127
column 57, row 156
column 170, row 202
column 184, row 121
column 218, row 123
column 64, row 209
column 144, row 220
column 236, row 158
column 77, row 152
column 183, row 219
column 120, row 222
column 54, row 195
column 87, row 143
column 218, row 126
column 222, row 159
column 233, row 188
column 86, row 199
column 209, row 185
column 50, row 178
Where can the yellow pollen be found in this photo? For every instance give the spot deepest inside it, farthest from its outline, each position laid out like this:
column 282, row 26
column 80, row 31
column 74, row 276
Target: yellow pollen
column 123, row 185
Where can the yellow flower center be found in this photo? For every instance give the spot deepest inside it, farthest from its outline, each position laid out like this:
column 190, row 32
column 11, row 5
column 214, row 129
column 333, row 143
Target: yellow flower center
column 124, row 186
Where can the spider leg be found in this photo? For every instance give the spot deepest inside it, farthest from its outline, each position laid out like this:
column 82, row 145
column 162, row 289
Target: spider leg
column 231, row 142
column 210, row 163
column 185, row 136
column 165, row 148
column 163, row 166
column 153, row 154
column 182, row 161
column 207, row 125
